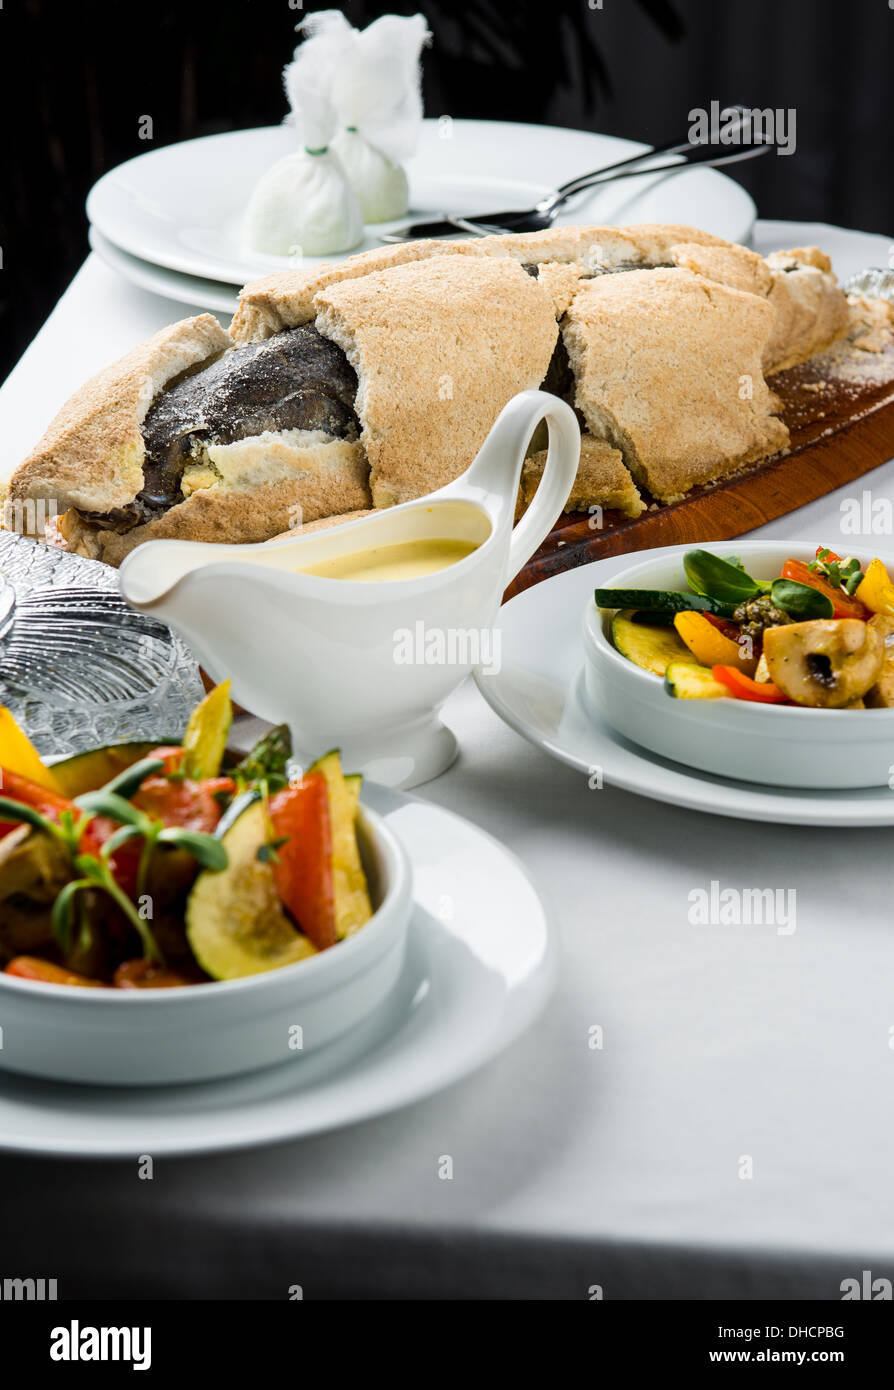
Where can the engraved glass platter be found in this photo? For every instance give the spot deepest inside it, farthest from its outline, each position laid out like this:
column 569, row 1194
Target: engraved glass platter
column 78, row 667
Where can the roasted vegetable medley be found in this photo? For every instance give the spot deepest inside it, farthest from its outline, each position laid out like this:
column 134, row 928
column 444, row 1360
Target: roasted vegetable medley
column 819, row 635
column 136, row 866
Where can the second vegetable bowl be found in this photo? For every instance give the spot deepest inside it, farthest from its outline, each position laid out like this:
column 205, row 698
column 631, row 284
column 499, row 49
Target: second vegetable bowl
column 673, row 708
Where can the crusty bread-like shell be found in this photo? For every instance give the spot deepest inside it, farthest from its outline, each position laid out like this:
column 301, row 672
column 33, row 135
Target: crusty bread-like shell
column 656, row 240
column 647, row 243
column 439, row 347
column 285, row 300
column 287, row 482
column 668, row 369
column 602, row 480
column 811, row 308
column 325, row 523
column 735, row 266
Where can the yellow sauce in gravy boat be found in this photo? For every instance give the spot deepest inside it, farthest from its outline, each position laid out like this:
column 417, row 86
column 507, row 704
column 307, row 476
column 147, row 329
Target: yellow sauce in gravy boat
column 382, row 564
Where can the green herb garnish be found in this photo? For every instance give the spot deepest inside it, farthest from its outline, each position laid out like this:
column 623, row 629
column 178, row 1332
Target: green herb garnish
column 267, row 854
column 843, row 574
column 268, row 760
column 95, row 871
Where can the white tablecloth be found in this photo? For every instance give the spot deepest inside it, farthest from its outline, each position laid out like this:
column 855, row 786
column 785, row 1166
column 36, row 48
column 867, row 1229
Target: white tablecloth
column 572, row 1167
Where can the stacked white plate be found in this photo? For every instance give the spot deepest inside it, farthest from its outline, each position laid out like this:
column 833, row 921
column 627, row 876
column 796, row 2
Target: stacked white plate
column 170, row 219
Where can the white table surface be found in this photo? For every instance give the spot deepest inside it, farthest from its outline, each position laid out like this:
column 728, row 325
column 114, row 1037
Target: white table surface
column 572, row 1166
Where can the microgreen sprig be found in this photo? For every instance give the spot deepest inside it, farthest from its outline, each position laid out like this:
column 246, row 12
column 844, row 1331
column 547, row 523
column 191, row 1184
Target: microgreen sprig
column 843, row 574
column 95, row 871
column 268, row 853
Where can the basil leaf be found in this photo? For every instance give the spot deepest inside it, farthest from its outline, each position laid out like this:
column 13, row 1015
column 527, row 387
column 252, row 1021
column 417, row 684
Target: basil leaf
column 715, row 578
column 800, row 601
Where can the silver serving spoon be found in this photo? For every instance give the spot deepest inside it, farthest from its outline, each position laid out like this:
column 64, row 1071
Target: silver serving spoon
column 536, row 219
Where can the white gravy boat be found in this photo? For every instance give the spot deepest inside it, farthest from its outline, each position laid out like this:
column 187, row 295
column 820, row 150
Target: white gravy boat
column 366, row 665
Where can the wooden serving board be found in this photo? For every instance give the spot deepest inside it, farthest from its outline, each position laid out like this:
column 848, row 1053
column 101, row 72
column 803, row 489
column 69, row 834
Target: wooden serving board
column 841, row 426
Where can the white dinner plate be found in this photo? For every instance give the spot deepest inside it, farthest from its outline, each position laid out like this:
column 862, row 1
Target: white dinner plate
column 537, row 691
column 181, row 206
column 480, row 965
column 158, row 279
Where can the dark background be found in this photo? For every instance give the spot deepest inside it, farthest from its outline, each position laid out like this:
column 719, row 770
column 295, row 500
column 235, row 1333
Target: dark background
column 75, row 78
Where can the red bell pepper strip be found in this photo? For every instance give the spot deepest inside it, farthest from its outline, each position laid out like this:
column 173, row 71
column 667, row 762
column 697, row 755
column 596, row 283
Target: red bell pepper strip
column 33, row 968
column 186, row 804
column 147, row 974
column 724, row 625
column 303, row 867
column 123, row 862
column 171, row 755
column 51, row 805
column 843, row 605
column 48, row 803
column 744, row 688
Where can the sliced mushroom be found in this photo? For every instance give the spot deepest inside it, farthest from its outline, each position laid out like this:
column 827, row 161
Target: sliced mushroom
column 881, row 696
column 825, row 663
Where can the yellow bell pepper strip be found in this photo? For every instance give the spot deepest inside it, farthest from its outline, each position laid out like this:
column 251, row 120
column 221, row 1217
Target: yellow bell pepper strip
column 876, row 590
column 18, row 754
column 709, row 645
column 205, row 740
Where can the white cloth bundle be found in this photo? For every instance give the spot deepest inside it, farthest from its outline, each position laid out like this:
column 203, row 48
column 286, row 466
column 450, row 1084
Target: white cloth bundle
column 305, row 205
column 374, row 81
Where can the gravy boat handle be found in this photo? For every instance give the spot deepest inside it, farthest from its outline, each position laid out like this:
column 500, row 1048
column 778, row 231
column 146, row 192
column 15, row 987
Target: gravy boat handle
column 498, row 465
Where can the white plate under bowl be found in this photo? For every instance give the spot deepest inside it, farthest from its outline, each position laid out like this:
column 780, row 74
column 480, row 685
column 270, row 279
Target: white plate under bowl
column 189, row 290
column 772, row 745
column 480, row 965
column 537, row 691
column 181, row 206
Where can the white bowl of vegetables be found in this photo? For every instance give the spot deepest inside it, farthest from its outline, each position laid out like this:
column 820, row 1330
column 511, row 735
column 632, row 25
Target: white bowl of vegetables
column 770, row 662
column 177, row 913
